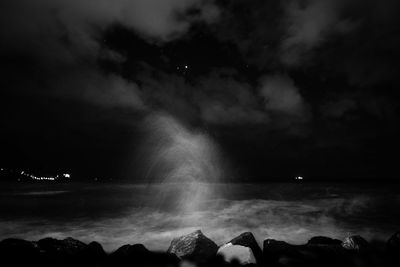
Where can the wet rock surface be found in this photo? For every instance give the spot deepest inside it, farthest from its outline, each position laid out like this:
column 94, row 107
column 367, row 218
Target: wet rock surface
column 197, row 250
column 247, row 239
column 194, row 246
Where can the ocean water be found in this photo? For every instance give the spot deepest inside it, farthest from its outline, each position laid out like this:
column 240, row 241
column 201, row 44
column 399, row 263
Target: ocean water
column 118, row 214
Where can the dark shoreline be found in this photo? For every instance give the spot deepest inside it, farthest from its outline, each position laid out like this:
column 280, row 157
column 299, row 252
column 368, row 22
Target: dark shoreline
column 195, row 249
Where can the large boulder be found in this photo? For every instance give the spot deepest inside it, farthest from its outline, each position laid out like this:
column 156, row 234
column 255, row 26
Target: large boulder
column 275, row 251
column 94, row 249
column 93, row 255
column 130, row 250
column 272, row 246
column 66, row 252
column 51, row 252
column 67, row 246
column 322, row 254
column 355, row 243
column 323, row 240
column 194, row 246
column 243, row 254
column 314, row 253
column 129, row 254
column 247, row 239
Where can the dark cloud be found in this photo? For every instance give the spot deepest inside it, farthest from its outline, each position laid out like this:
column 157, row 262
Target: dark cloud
column 225, row 100
column 255, row 28
column 157, row 19
column 60, row 41
column 309, row 24
column 282, row 96
column 337, row 109
column 261, row 76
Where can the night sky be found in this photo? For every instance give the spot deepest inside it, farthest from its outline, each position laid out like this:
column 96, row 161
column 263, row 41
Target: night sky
column 283, row 87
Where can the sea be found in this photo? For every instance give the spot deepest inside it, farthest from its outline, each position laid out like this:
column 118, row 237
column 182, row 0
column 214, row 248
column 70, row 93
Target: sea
column 115, row 214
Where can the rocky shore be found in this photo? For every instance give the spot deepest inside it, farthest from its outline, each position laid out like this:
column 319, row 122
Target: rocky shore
column 195, row 249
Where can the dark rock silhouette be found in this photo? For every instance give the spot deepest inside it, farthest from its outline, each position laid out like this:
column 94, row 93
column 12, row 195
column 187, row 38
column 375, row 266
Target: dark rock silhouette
column 323, row 240
column 275, row 252
column 130, row 250
column 194, row 246
column 50, row 252
column 67, row 246
column 19, row 252
column 273, row 247
column 279, row 253
column 95, row 249
column 139, row 255
column 393, row 248
column 70, row 251
column 196, row 250
column 11, row 245
column 247, row 239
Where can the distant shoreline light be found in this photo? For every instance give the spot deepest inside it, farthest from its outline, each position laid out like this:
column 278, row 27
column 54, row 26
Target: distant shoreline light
column 37, row 178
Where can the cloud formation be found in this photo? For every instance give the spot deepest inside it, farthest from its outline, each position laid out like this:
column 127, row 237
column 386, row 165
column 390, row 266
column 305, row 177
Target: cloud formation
column 62, row 42
column 257, row 70
column 219, row 98
column 281, row 95
column 309, row 23
column 159, row 19
column 224, row 100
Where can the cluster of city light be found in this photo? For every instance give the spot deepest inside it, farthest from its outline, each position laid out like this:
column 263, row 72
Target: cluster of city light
column 44, row 178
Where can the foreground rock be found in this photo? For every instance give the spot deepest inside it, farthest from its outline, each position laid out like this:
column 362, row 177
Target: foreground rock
column 243, row 255
column 196, row 250
column 20, row 252
column 318, row 252
column 194, row 246
column 275, row 251
column 50, row 251
column 247, row 239
column 323, row 240
column 67, row 246
column 14, row 245
column 94, row 249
